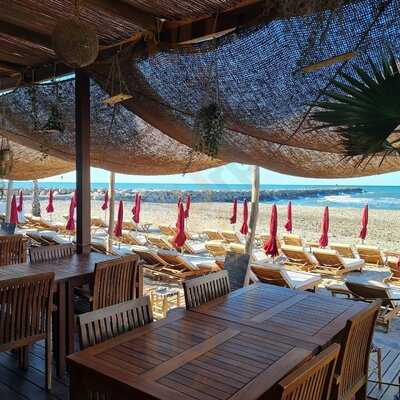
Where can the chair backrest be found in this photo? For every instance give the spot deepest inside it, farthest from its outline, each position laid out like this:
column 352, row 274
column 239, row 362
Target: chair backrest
column 237, row 248
column 213, row 234
column 216, row 248
column 167, row 230
column 236, row 265
column 205, row 288
column 48, row 253
column 160, row 242
column 313, row 380
column 130, row 238
column 12, row 249
column 173, row 258
column 149, row 256
column 98, row 222
column 230, row 236
column 371, row 254
column 7, row 229
column 328, row 258
column 352, row 364
column 370, row 292
column 292, row 240
column 103, row 324
column 25, row 309
column 297, row 254
column 343, row 249
column 271, row 275
column 115, row 281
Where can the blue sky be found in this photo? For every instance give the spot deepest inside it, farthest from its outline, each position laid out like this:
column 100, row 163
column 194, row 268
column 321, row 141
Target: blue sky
column 234, row 174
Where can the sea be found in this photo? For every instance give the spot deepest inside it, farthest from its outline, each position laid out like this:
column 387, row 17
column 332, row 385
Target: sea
column 378, row 197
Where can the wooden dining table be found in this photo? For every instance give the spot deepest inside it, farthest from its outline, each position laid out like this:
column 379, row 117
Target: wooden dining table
column 236, row 347
column 70, row 272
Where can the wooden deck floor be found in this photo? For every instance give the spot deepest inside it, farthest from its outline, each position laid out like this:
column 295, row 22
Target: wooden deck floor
column 16, row 384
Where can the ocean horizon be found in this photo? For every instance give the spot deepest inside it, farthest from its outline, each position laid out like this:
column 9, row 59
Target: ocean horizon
column 378, row 197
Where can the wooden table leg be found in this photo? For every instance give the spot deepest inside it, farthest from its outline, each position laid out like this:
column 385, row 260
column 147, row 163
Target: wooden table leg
column 59, row 345
column 70, row 318
column 77, row 386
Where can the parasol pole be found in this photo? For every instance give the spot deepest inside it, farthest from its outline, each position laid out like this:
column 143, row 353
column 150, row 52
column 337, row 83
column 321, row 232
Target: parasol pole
column 255, row 195
column 111, row 208
column 8, row 199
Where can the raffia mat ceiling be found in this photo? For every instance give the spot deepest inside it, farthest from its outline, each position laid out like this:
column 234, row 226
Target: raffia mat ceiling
column 256, row 77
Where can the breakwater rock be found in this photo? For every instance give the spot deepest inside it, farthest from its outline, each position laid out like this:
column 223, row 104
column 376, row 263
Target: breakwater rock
column 202, row 196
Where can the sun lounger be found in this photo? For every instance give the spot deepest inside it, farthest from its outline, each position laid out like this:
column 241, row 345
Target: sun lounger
column 129, row 237
column 194, row 248
column 330, row 261
column 277, row 275
column 231, row 237
column 213, row 234
column 297, row 256
column 160, row 242
column 292, row 240
column 344, row 250
column 54, row 238
column 167, row 230
column 37, row 238
column 216, row 248
column 98, row 223
column 389, row 296
column 371, row 254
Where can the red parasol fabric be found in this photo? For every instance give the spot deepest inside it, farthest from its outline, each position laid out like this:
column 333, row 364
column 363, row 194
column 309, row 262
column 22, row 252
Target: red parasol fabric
column 75, row 199
column 14, row 211
column 137, row 207
column 233, row 218
column 71, row 222
column 50, row 206
column 364, row 223
column 20, row 202
column 271, row 245
column 323, row 240
column 120, row 218
column 104, row 206
column 289, row 222
column 244, row 230
column 180, row 238
column 187, row 209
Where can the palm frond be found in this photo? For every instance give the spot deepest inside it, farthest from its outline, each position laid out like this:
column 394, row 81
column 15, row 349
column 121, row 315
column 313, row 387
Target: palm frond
column 363, row 107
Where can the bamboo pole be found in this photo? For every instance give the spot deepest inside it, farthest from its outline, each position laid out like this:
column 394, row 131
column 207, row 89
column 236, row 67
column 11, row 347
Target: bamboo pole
column 8, row 199
column 255, row 195
column 36, row 212
column 111, row 210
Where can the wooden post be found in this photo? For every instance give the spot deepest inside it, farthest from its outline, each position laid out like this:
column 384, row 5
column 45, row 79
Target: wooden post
column 111, row 210
column 82, row 148
column 255, row 194
column 8, row 199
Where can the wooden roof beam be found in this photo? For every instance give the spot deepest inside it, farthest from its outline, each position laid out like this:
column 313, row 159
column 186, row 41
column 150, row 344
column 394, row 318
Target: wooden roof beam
column 27, row 36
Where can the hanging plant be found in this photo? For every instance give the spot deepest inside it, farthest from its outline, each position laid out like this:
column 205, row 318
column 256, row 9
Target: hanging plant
column 364, row 108
column 209, row 127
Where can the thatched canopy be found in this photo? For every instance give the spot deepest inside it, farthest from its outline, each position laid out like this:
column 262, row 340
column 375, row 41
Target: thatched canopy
column 271, row 60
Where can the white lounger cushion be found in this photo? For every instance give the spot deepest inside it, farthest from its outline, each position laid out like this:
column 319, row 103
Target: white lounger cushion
column 353, row 263
column 299, row 279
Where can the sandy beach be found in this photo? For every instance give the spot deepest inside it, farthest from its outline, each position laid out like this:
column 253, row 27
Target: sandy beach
column 344, row 222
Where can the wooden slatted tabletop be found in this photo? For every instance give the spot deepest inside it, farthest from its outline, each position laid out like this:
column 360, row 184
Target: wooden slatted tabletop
column 303, row 315
column 188, row 355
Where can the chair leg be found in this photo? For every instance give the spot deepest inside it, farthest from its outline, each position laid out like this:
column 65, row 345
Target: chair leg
column 48, row 359
column 23, row 357
column 379, row 366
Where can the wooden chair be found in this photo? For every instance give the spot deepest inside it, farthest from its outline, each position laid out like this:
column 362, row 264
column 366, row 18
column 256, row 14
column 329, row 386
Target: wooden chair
column 48, row 253
column 26, row 315
column 231, row 237
column 371, row 255
column 132, row 238
column 105, row 323
column 114, row 281
column 276, row 275
column 292, row 240
column 343, row 249
column 205, row 288
column 298, row 257
column 312, row 381
column 330, row 261
column 351, row 376
column 194, row 248
column 167, row 230
column 378, row 291
column 213, row 234
column 160, row 242
column 12, row 249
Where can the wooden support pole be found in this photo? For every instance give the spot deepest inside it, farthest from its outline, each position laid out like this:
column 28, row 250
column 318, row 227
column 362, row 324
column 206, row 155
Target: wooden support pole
column 255, row 195
column 111, row 210
column 82, row 148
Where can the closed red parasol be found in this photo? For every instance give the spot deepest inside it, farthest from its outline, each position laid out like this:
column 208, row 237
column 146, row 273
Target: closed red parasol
column 180, row 238
column 271, row 245
column 20, row 202
column 233, row 218
column 120, row 218
column 244, row 230
column 289, row 222
column 187, row 210
column 71, row 222
column 104, row 206
column 364, row 223
column 14, row 211
column 136, row 209
column 323, row 240
column 50, row 206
